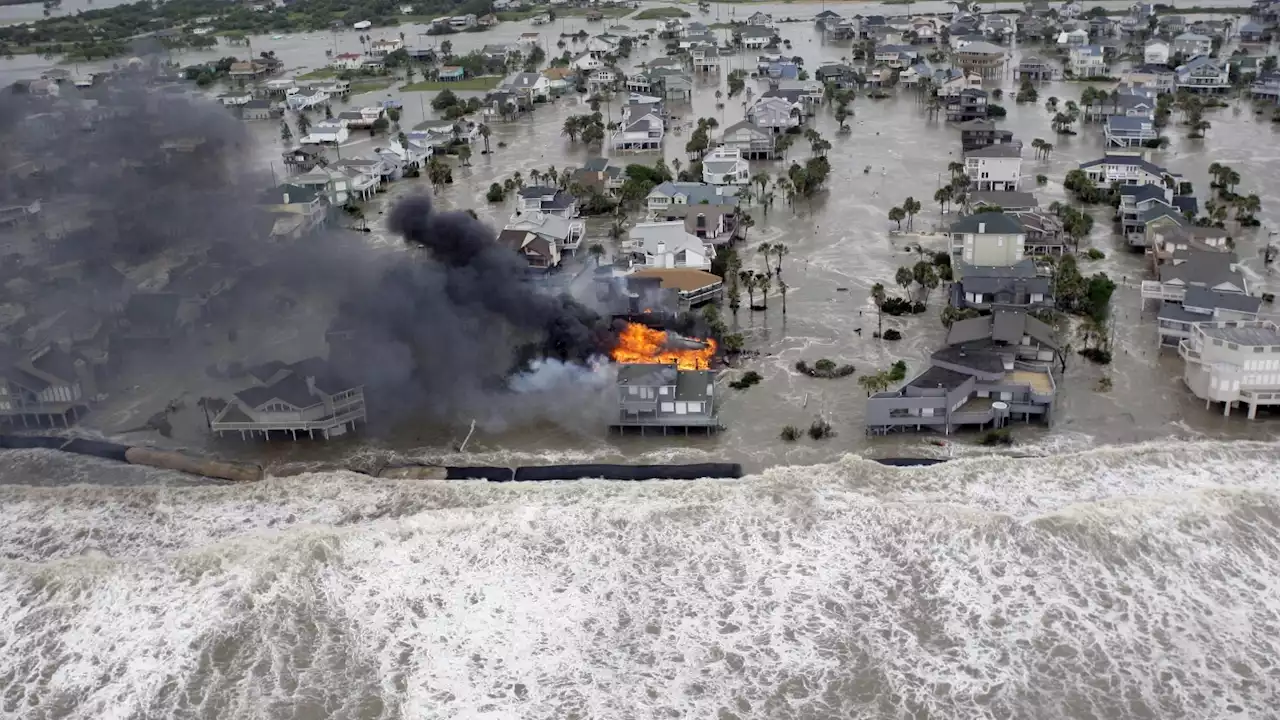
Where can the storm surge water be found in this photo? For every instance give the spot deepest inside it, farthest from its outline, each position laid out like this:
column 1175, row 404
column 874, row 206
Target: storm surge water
column 1136, row 582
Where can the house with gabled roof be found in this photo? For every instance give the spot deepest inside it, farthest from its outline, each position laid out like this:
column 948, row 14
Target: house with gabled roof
column 550, row 200
column 306, row 396
column 1203, row 75
column 776, row 114
column 992, row 369
column 750, row 141
column 51, row 386
column 689, row 193
column 540, row 252
column 1127, row 168
column 665, row 396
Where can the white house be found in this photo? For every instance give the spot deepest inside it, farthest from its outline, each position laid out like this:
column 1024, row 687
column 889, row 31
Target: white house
column 347, row 61
column 1203, row 75
column 381, row 48
column 639, row 133
column 1191, row 44
column 327, row 132
column 725, row 166
column 534, row 86
column 1073, row 38
column 749, row 141
column 586, row 63
column 667, row 245
column 667, row 194
column 567, row 234
column 1155, row 52
column 1127, row 168
column 601, row 45
column 775, row 114
column 1088, row 61
column 459, row 22
column 303, row 99
column 549, row 200
column 995, row 167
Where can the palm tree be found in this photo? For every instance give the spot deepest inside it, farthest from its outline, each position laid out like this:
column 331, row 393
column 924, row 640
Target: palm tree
column 535, row 175
column 956, row 168
column 285, row 133
column 596, row 251
column 464, row 154
column 933, row 106
column 675, row 165
column 1036, row 145
column 748, row 280
column 942, row 197
column 1046, row 148
column 484, row 133
column 910, row 206
column 304, row 124
column 782, row 288
column 879, row 296
column 764, row 250
column 1231, row 178
column 764, row 281
column 1051, row 104
column 897, row 215
column 780, row 251
column 842, row 114
column 761, row 179
column 904, row 278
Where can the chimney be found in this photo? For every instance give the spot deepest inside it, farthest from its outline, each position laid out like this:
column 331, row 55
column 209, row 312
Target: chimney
column 286, row 199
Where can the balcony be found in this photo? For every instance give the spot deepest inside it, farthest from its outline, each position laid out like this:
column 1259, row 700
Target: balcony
column 1186, row 352
column 326, row 423
column 1155, row 290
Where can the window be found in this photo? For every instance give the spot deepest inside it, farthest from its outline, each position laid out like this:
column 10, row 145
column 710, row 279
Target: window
column 1232, row 346
column 1258, row 349
column 1217, row 343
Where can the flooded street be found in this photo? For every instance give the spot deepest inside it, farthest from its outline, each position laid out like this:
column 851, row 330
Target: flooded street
column 840, row 245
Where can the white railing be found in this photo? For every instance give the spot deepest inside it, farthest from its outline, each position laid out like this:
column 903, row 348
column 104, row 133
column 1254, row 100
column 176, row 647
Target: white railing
column 304, row 425
column 1155, row 290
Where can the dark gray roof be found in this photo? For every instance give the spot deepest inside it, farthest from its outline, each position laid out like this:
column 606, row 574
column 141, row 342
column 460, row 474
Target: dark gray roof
column 1208, row 269
column 936, row 377
column 692, row 384
column 1143, row 192
column 1186, row 203
column 1205, row 298
column 536, row 191
column 999, row 150
column 1173, row 311
column 989, row 222
column 292, row 390
column 1126, row 160
column 1004, row 199
column 257, row 105
column 153, row 310
column 647, row 375
column 981, row 358
column 596, row 164
column 1003, row 326
column 1160, row 210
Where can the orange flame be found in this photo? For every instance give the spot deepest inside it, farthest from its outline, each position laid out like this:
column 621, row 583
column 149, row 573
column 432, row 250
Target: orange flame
column 640, row 344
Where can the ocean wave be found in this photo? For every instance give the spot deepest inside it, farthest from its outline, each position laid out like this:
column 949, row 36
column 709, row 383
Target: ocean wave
column 1117, row 582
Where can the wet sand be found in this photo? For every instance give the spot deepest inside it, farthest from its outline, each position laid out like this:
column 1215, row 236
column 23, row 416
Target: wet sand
column 840, row 239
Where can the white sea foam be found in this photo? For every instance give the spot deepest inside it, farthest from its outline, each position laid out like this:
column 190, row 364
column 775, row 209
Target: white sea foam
column 1119, row 583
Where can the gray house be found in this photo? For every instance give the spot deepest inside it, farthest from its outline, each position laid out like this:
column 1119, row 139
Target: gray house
column 994, row 368
column 304, row 397
column 975, row 134
column 1202, row 305
column 665, row 396
column 989, row 287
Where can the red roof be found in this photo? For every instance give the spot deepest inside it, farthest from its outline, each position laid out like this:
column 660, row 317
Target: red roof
column 349, row 56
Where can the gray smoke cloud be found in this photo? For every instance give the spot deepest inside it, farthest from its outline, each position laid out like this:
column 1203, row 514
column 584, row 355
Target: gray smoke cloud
column 446, row 328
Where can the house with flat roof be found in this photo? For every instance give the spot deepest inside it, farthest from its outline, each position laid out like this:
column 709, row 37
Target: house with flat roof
column 651, row 396
column 993, row 369
column 305, row 397
column 691, row 286
column 1233, row 362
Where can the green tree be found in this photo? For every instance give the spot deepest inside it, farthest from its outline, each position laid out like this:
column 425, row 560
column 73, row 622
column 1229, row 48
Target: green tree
column 897, row 215
column 879, row 296
column 780, row 250
column 285, row 133
column 910, row 206
column 904, row 277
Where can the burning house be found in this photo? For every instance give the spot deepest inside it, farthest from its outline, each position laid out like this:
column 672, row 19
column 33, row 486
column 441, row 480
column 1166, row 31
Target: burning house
column 664, row 381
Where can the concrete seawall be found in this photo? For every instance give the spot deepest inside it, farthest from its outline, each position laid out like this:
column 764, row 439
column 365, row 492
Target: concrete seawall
column 239, row 471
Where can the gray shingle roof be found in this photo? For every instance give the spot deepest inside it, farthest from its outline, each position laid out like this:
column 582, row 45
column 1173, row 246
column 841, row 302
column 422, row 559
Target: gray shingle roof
column 1004, row 199
column 999, row 150
column 989, row 222
column 1205, row 298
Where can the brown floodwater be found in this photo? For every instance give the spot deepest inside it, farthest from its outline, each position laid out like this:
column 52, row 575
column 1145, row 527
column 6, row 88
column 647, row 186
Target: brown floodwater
column 840, row 245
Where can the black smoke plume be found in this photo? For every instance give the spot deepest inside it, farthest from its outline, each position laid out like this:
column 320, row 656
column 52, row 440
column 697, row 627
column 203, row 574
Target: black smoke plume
column 150, row 184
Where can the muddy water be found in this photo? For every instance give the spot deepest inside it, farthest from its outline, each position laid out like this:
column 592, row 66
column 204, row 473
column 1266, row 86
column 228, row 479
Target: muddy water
column 840, row 245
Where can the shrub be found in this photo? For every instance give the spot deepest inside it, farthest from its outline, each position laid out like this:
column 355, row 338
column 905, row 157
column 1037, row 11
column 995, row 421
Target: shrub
column 1042, row 179
column 749, row 378
column 790, row 433
column 733, row 343
column 1104, row 383
column 496, row 193
column 820, row 430
column 1094, row 254
column 898, row 371
column 1097, row 355
column 898, row 306
column 824, row 368
column 995, row 111
column 997, row 437
column 892, row 334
